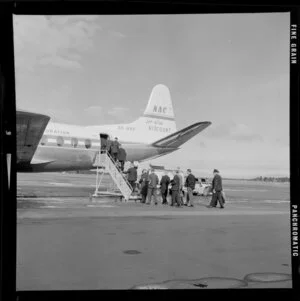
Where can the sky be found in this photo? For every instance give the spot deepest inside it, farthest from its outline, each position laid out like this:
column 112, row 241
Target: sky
column 230, row 69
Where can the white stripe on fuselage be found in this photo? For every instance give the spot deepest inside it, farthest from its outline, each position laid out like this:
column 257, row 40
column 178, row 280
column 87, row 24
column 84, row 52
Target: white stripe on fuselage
column 144, row 130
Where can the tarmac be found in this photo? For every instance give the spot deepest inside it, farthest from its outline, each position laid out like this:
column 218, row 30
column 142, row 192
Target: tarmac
column 69, row 241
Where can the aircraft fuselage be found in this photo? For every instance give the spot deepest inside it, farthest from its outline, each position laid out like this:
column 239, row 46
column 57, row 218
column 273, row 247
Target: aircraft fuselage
column 51, row 157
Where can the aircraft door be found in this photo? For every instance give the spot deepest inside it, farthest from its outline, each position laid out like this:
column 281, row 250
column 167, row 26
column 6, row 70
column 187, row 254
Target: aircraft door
column 104, row 142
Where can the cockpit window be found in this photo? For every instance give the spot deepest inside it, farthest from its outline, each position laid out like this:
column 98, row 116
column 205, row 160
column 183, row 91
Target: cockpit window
column 60, row 141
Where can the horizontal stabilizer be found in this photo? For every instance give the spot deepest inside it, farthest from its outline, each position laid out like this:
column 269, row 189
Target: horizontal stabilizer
column 176, row 139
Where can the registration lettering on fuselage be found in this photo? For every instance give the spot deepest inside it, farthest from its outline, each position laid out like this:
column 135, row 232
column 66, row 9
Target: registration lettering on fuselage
column 126, row 128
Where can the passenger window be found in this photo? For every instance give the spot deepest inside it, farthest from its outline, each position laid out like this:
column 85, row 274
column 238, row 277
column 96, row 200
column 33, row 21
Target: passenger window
column 74, row 142
column 88, row 143
column 60, row 141
column 44, row 140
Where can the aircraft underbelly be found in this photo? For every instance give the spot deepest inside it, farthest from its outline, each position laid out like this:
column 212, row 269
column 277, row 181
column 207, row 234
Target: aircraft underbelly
column 56, row 159
column 138, row 154
column 63, row 159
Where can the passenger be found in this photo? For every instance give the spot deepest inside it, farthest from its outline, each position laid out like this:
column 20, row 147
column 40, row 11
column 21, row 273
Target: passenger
column 181, row 185
column 132, row 176
column 122, row 156
column 114, row 147
column 217, row 191
column 164, row 186
column 104, row 144
column 152, row 186
column 190, row 183
column 119, row 165
column 103, row 149
column 176, row 189
column 144, row 185
column 136, row 172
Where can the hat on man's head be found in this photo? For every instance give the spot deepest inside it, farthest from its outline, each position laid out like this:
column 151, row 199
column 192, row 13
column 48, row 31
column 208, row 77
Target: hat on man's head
column 116, row 138
column 215, row 170
column 189, row 170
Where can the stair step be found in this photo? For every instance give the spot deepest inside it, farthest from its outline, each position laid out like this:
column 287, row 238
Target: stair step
column 117, row 176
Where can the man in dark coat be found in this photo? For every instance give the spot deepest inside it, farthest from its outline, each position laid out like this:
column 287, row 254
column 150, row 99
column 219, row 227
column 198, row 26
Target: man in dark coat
column 122, row 157
column 217, row 191
column 132, row 176
column 190, row 183
column 144, row 185
column 181, row 177
column 164, row 184
column 114, row 148
column 152, row 186
column 176, row 189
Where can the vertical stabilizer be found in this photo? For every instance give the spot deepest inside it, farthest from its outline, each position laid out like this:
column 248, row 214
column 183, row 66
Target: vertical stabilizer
column 160, row 104
column 158, row 120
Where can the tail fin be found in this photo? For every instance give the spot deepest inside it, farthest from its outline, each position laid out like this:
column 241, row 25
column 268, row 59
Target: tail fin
column 158, row 120
column 160, row 104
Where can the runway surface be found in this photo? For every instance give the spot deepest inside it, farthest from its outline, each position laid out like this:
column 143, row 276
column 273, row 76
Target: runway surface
column 65, row 240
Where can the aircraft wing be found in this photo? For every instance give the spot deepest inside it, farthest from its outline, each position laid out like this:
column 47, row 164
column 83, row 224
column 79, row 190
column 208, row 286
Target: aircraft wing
column 178, row 138
column 30, row 129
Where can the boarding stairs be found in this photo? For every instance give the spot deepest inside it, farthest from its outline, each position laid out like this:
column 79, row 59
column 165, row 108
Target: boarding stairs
column 105, row 162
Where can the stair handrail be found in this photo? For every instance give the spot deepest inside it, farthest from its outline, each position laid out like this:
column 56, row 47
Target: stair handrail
column 118, row 169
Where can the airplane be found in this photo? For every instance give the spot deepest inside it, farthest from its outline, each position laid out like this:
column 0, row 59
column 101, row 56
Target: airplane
column 44, row 146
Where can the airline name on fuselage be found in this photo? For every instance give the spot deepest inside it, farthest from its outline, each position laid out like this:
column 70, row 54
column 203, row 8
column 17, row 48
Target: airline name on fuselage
column 51, row 131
